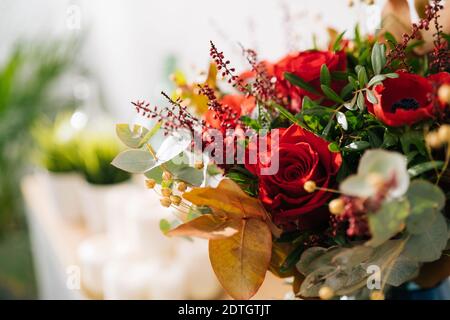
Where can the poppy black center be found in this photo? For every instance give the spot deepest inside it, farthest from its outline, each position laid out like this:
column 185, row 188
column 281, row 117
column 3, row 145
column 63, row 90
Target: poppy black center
column 405, row 104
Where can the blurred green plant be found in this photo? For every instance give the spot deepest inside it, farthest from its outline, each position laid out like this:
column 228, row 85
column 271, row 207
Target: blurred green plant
column 28, row 78
column 57, row 144
column 96, row 152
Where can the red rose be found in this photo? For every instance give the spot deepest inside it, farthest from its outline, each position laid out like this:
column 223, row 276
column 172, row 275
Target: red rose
column 303, row 156
column 239, row 105
column 307, row 66
column 407, row 99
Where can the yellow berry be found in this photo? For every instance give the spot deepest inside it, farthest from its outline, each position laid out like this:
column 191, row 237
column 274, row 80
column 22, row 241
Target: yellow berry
column 326, row 293
column 377, row 295
column 166, row 192
column 444, row 133
column 199, row 165
column 165, row 202
column 167, row 176
column 182, row 186
column 310, row 186
column 433, row 141
column 337, row 206
column 176, row 200
column 150, row 183
column 444, row 94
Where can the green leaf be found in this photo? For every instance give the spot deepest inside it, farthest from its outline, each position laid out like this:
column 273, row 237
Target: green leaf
column 387, row 222
column 337, row 43
column 360, row 101
column 389, row 139
column 137, row 137
column 378, row 58
column 427, row 201
column 331, row 94
column 134, row 161
column 362, row 76
column 357, row 146
column 421, row 168
column 391, row 39
column 286, row 114
column 403, row 270
column 377, row 79
column 391, row 75
column 325, row 77
column 428, row 246
column 299, row 82
column 334, row 147
column 353, row 82
column 352, row 104
column 371, row 97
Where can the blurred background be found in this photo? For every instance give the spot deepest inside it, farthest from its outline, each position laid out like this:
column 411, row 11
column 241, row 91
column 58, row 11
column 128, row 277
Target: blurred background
column 72, row 226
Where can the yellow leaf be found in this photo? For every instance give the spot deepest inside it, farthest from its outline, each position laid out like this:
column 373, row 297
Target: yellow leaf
column 229, row 198
column 241, row 261
column 208, row 227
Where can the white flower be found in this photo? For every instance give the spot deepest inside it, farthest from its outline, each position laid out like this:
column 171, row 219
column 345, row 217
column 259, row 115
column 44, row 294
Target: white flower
column 377, row 168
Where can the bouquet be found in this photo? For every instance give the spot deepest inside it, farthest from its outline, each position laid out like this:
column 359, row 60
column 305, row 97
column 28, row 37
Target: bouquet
column 328, row 167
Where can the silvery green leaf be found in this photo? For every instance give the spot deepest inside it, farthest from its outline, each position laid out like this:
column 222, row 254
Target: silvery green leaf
column 428, row 246
column 351, row 257
column 403, row 270
column 342, row 120
column 361, row 102
column 134, row 161
column 137, row 137
column 377, row 79
column 391, row 75
column 307, row 257
column 371, row 97
column 357, row 146
column 314, row 281
column 362, row 76
column 427, row 200
column 387, row 222
column 352, row 104
column 376, row 58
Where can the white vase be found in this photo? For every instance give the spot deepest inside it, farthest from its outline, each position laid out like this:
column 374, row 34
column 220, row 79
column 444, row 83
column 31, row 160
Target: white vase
column 97, row 200
column 65, row 190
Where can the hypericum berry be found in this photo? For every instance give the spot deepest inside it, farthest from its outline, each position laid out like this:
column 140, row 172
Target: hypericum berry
column 444, row 134
column 167, row 176
column 199, row 165
column 176, row 200
column 310, row 186
column 337, row 206
column 182, row 186
column 166, row 202
column 433, row 141
column 166, row 192
column 326, row 293
column 444, row 94
column 377, row 295
column 150, row 183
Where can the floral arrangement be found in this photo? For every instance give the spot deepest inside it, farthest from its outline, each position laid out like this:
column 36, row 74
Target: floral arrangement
column 328, row 167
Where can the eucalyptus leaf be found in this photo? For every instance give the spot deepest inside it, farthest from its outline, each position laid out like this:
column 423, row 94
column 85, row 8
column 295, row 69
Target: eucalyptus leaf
column 134, row 161
column 428, row 246
column 377, row 79
column 427, row 201
column 172, row 146
column 403, row 270
column 377, row 62
column 352, row 104
column 388, row 221
column 357, row 146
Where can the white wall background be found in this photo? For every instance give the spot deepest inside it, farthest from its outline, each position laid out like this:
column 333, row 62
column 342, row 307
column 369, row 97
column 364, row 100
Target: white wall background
column 127, row 41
